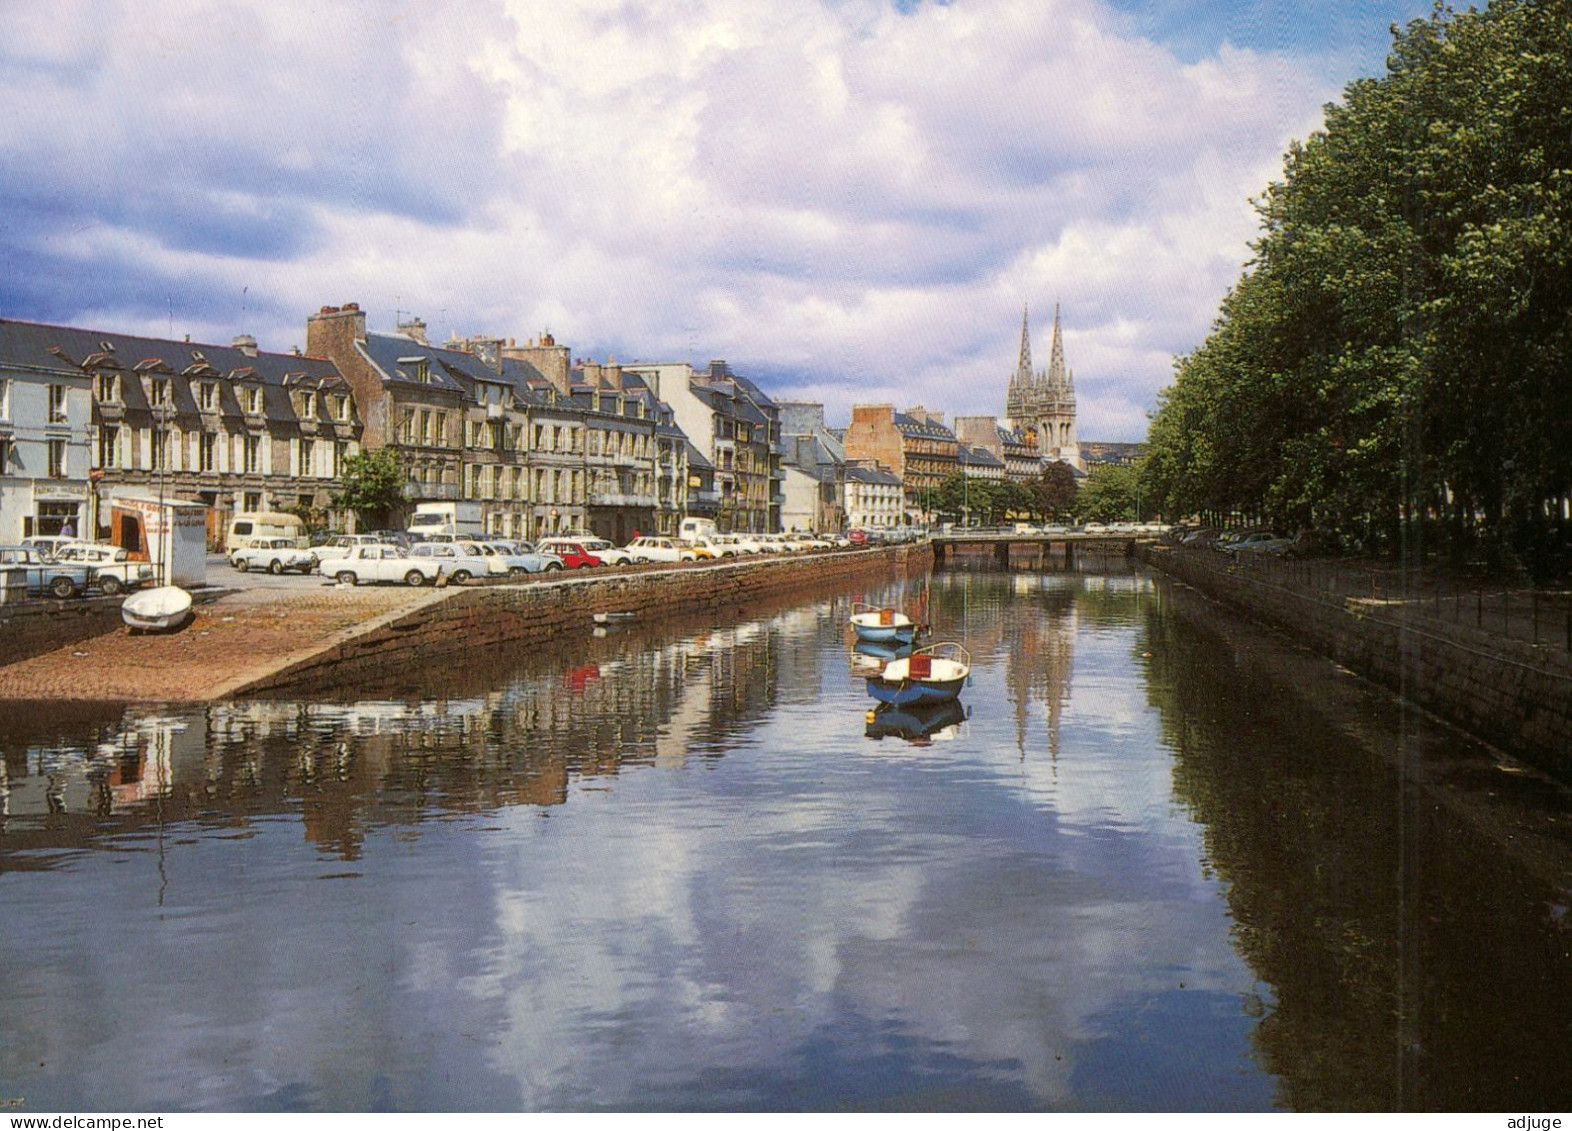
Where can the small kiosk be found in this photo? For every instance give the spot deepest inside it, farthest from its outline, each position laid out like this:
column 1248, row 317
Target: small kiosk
column 169, row 533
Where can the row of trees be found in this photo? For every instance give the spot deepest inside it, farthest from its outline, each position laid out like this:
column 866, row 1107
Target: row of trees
column 1392, row 367
column 1111, row 493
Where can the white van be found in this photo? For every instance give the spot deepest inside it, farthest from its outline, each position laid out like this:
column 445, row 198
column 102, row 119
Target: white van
column 248, row 525
column 696, row 528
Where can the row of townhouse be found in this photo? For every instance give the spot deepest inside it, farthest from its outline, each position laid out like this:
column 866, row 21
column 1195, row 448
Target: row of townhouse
column 543, row 445
column 914, row 445
column 883, row 470
column 548, row 447
column 88, row 416
column 828, row 491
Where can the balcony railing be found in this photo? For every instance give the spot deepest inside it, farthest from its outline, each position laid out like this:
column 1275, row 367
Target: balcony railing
column 430, row 492
column 613, row 500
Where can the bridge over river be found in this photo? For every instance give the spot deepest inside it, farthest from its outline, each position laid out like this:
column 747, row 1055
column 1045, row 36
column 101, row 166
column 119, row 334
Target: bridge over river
column 1002, row 543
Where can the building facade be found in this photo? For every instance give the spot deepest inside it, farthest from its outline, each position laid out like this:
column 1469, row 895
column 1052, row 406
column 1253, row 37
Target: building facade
column 737, row 430
column 874, row 499
column 46, row 431
column 1022, row 460
column 233, row 427
column 914, row 444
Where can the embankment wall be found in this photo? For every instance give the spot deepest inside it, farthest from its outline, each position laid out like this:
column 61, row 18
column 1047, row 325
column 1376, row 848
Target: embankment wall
column 481, row 617
column 40, row 626
column 1513, row 694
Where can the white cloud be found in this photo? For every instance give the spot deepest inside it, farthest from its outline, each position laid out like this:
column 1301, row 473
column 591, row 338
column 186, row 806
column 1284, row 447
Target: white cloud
column 838, row 198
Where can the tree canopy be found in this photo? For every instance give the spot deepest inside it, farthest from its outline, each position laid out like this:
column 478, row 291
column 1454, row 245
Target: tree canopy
column 373, row 484
column 1392, row 365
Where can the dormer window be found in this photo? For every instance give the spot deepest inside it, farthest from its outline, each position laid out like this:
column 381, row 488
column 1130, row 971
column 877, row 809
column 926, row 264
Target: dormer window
column 341, row 407
column 158, row 391
column 207, row 396
column 308, row 405
column 251, row 399
column 109, row 388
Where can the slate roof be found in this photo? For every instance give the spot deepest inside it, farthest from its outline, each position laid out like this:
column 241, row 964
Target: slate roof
column 68, row 349
column 978, row 457
column 872, row 475
column 911, row 426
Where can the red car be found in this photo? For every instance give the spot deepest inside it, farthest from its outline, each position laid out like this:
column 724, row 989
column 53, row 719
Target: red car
column 573, row 555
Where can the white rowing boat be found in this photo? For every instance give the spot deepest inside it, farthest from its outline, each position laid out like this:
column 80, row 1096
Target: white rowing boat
column 161, row 609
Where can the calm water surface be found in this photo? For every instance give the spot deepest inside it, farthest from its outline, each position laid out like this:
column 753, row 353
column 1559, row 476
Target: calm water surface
column 1165, row 861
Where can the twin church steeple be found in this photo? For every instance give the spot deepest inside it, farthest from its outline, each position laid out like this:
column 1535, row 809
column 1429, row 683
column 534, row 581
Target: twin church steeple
column 1043, row 403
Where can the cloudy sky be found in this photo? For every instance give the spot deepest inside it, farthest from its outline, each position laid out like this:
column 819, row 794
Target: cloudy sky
column 849, row 200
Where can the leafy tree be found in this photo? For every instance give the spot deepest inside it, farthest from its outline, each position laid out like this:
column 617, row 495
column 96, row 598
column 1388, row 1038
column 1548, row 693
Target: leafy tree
column 373, row 485
column 1109, row 494
column 1391, row 365
column 1054, row 491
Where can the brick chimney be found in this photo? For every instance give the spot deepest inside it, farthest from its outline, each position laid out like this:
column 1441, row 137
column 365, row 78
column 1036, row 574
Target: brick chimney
column 552, row 360
column 334, row 330
column 333, row 333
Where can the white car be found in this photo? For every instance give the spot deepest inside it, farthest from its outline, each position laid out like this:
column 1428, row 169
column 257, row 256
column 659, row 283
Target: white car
column 741, row 543
column 459, row 560
column 274, row 555
column 48, row 546
column 110, row 567
column 651, row 549
column 518, row 557
column 384, row 563
column 717, row 547
column 339, row 546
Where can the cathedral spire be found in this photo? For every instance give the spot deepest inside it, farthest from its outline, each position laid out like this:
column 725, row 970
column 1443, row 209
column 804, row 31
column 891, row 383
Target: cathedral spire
column 1023, row 367
column 1057, row 377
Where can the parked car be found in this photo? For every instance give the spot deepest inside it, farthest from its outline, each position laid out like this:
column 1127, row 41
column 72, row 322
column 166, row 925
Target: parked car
column 274, row 555
column 598, row 547
column 459, row 560
column 339, row 546
column 574, row 555
column 746, row 543
column 715, row 546
column 701, row 552
column 517, row 557
column 48, row 545
column 385, row 563
column 650, row 549
column 111, row 567
column 58, row 579
column 1263, row 542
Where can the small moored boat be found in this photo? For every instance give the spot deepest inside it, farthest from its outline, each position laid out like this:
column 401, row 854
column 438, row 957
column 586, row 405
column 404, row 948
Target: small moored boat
column 161, row 609
column 934, row 674
column 611, row 618
column 882, row 625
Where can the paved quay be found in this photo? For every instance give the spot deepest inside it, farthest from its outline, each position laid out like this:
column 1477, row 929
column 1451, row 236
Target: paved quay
column 226, row 645
column 301, row 634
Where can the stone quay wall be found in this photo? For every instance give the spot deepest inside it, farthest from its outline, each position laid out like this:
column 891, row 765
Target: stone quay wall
column 1515, row 695
column 479, row 617
column 39, row 626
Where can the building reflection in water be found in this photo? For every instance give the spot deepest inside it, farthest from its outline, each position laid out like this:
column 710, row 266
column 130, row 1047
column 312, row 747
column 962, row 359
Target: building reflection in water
column 347, row 766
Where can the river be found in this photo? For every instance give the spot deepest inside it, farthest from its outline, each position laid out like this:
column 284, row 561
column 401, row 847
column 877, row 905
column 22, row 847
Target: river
column 1163, row 860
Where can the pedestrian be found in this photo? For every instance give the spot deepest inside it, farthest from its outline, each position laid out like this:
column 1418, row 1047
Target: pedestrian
column 68, row 530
